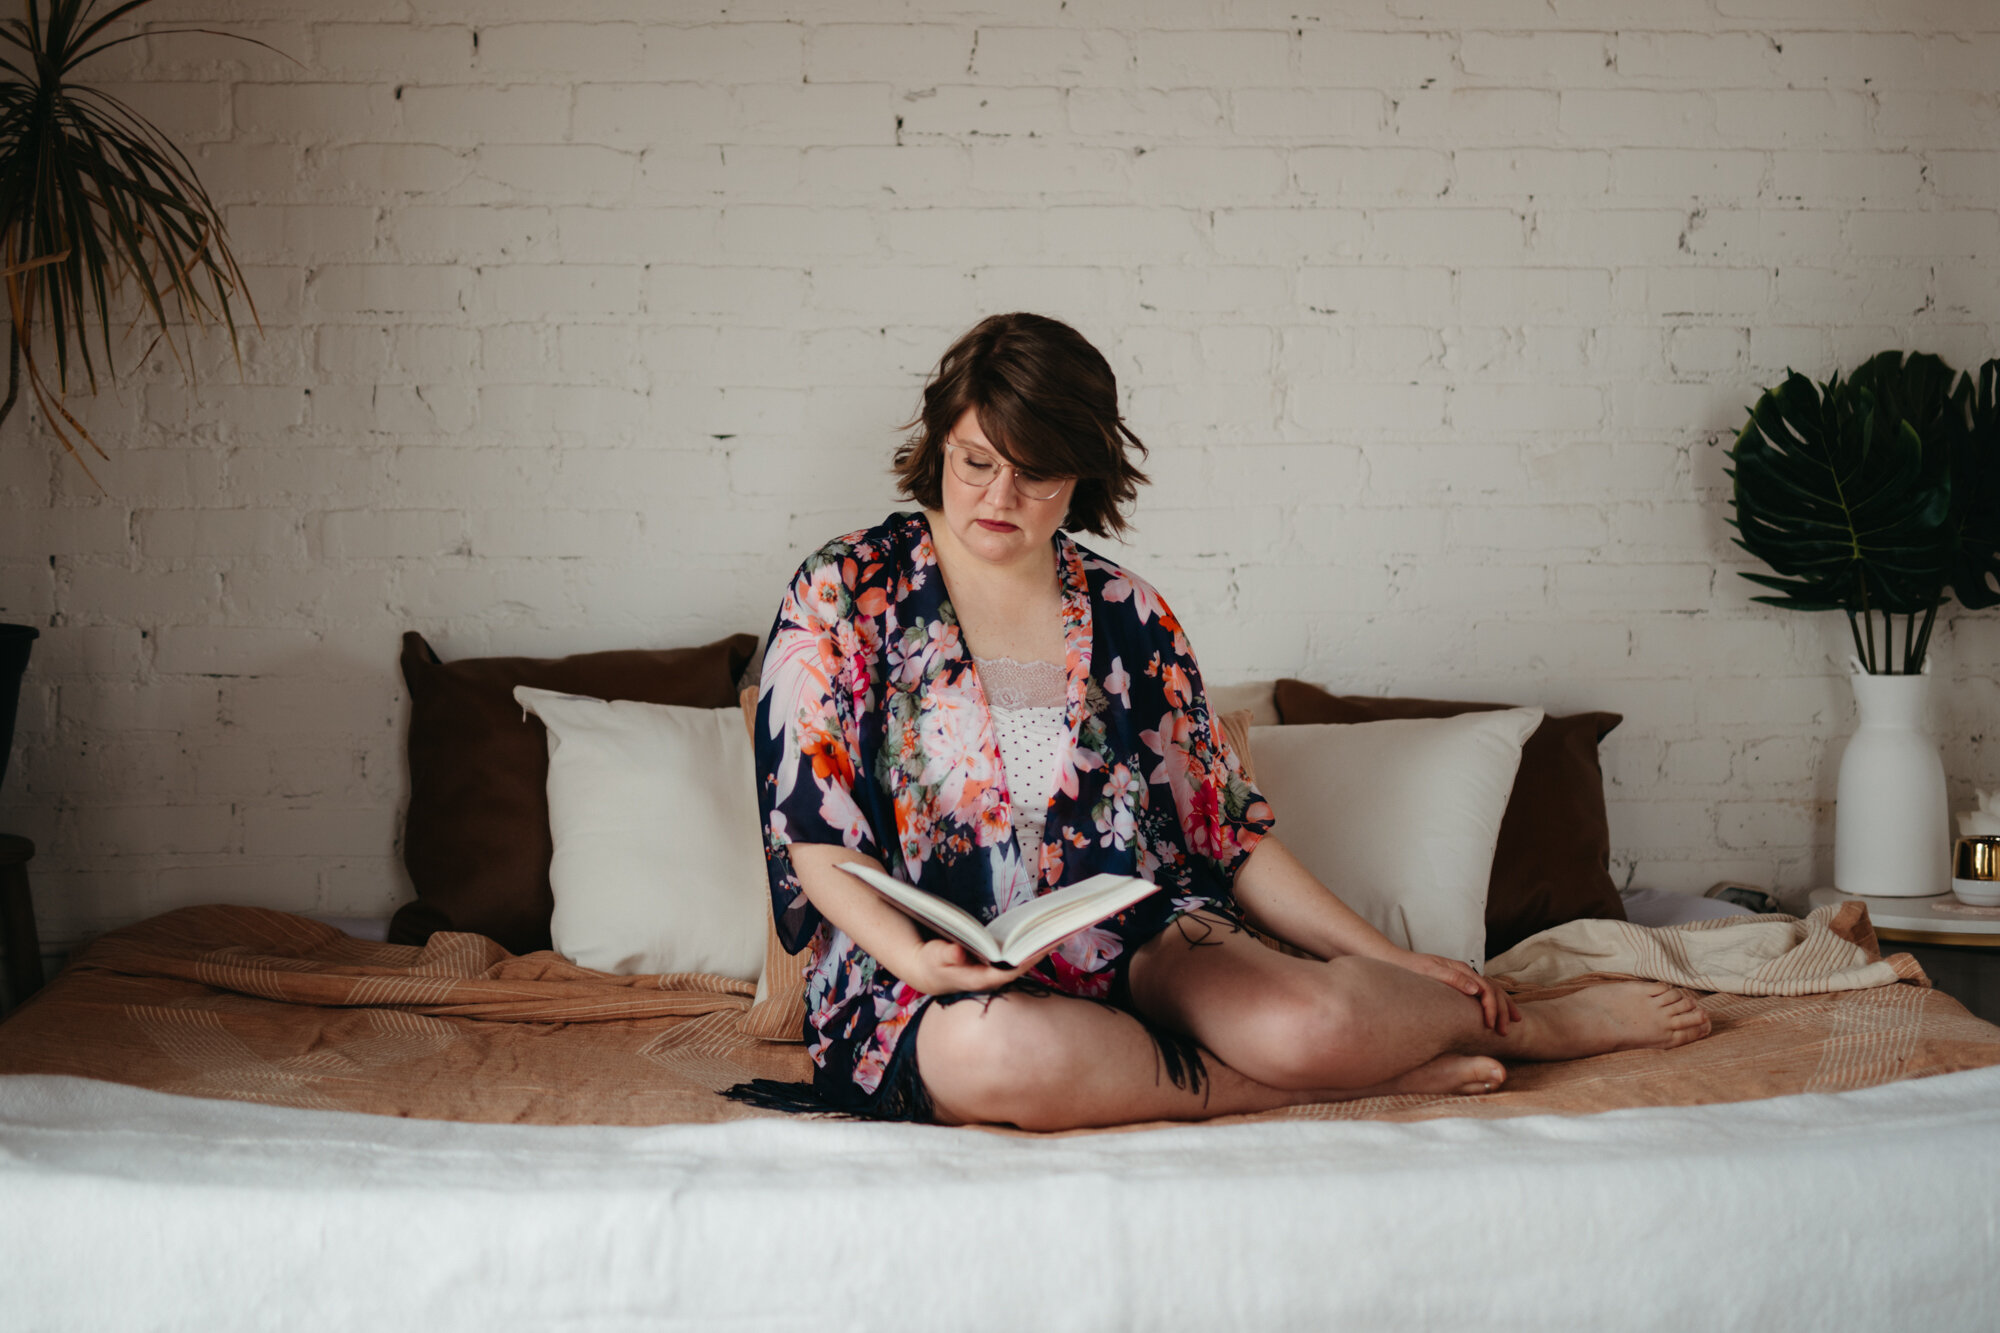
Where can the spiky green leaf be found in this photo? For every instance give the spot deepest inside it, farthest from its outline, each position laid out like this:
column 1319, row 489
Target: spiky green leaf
column 1975, row 521
column 1841, row 495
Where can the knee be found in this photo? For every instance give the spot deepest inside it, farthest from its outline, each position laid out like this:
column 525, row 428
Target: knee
column 1310, row 1034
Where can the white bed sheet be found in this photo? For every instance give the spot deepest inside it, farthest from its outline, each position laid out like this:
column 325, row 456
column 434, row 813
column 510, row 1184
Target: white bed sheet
column 1876, row 1209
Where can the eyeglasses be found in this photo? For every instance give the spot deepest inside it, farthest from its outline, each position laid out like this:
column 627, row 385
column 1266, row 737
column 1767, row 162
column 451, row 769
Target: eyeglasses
column 978, row 470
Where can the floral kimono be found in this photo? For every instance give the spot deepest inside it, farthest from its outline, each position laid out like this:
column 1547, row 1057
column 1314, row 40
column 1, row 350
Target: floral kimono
column 873, row 733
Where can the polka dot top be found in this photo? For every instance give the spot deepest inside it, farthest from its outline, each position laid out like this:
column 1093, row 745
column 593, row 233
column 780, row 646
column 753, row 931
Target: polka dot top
column 1027, row 700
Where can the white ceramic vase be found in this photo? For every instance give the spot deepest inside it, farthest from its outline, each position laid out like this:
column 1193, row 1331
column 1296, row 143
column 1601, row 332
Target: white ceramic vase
column 1892, row 829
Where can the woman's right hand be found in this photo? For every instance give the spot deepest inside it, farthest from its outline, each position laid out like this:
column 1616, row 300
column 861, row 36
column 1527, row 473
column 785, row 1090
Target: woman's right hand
column 933, row 966
column 945, row 967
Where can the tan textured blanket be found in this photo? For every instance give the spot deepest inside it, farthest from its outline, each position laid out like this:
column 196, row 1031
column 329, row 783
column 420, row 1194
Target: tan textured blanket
column 262, row 1006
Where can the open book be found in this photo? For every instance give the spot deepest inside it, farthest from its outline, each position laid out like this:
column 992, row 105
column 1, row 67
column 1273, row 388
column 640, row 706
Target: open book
column 1021, row 932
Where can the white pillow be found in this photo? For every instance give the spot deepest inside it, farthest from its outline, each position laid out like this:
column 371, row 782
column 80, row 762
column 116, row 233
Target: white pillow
column 659, row 862
column 1399, row 818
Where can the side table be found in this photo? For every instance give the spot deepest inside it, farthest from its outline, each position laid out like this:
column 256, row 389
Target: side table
column 1959, row 949
column 20, row 947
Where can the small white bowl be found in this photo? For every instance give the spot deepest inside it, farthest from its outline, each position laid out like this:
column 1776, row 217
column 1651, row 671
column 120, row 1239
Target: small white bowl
column 1977, row 892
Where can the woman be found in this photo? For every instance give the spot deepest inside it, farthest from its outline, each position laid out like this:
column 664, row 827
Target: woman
column 969, row 699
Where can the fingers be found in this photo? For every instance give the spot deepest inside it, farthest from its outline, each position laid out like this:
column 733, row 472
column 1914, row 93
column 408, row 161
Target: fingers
column 1490, row 1005
column 1495, row 1006
column 971, row 980
column 951, row 968
column 973, row 974
column 1460, row 977
column 1472, row 986
column 1496, row 1010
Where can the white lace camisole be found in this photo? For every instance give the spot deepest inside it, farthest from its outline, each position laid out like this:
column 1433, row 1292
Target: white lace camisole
column 1027, row 700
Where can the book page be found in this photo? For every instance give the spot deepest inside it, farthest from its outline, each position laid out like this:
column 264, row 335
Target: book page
column 1026, row 930
column 947, row 918
column 1022, row 931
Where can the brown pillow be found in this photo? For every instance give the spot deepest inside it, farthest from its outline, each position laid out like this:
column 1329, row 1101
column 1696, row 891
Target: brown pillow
column 779, row 1011
column 476, row 841
column 1553, row 860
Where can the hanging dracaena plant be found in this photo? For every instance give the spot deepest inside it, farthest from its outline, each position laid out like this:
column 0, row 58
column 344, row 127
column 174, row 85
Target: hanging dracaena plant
column 94, row 198
column 1877, row 496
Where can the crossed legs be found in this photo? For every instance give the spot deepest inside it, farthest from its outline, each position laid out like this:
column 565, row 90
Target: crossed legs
column 1276, row 1030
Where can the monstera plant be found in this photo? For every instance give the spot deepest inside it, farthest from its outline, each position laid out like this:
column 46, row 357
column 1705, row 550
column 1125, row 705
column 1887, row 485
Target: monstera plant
column 1878, row 496
column 95, row 201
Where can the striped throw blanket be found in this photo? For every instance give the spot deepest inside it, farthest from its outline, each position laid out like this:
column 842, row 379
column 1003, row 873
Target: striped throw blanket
column 1834, row 949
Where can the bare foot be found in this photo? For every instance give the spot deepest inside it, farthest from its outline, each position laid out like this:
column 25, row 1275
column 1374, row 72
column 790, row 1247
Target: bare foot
column 1621, row 1016
column 1465, row 1075
column 1448, row 1075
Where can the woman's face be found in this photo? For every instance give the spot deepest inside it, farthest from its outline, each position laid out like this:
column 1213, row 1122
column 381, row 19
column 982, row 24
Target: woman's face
column 996, row 522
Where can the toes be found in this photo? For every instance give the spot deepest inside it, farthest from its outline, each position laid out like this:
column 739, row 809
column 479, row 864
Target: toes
column 1692, row 1027
column 1479, row 1074
column 1487, row 1074
column 1483, row 1081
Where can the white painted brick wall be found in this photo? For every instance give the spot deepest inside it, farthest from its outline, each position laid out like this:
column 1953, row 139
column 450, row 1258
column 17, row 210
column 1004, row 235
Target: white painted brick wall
column 578, row 332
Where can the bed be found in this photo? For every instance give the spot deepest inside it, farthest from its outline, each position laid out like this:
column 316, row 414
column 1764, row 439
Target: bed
column 232, row 1117
column 1872, row 1209
column 271, row 1123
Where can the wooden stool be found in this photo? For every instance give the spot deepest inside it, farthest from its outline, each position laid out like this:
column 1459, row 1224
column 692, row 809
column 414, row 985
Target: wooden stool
column 19, row 945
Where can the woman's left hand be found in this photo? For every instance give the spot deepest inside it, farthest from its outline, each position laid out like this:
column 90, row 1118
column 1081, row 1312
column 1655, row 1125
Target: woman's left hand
column 1495, row 1004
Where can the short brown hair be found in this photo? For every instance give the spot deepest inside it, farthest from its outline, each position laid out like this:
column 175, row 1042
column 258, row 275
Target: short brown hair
column 1049, row 403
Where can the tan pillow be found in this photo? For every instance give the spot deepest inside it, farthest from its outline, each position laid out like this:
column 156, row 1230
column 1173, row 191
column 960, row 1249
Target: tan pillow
column 779, row 1011
column 1255, row 697
column 1236, row 725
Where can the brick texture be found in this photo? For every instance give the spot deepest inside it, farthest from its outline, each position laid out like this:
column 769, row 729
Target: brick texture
column 579, row 331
